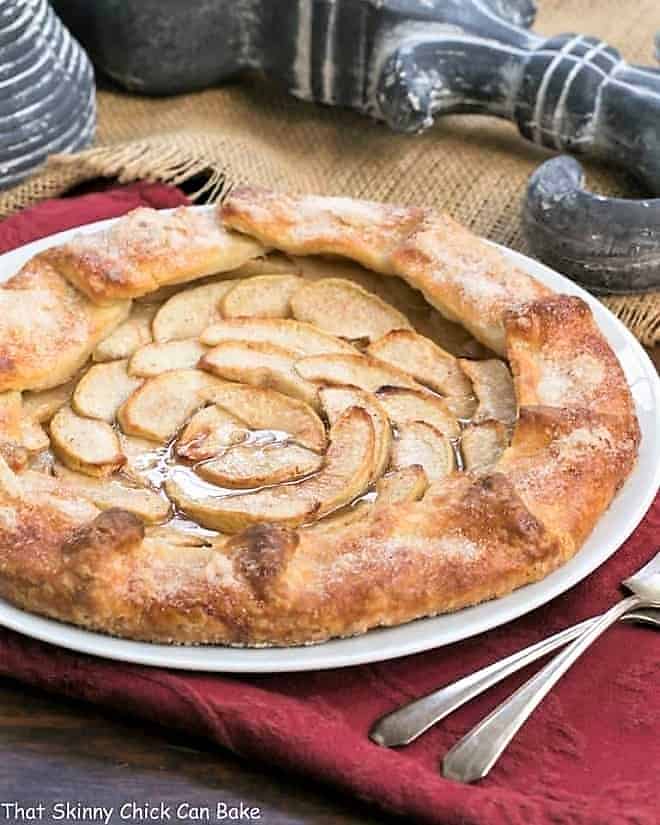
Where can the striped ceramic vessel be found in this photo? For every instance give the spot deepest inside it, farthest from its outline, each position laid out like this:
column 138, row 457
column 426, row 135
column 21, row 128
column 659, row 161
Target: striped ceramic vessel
column 47, row 101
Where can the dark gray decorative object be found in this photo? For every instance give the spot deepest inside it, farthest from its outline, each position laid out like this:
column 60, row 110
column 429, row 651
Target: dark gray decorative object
column 47, row 101
column 607, row 244
column 407, row 62
column 403, row 61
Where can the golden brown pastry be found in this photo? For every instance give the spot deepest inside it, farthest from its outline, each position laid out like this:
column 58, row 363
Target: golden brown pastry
column 148, row 249
column 332, row 471
column 469, row 281
column 47, row 328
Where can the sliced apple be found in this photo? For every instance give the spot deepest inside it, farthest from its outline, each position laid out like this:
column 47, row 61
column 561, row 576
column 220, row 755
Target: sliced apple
column 44, row 490
column 163, row 404
column 404, row 406
column 264, row 296
column 296, row 336
column 251, row 466
column 265, row 409
column 336, row 400
column 401, row 486
column 392, row 290
column 493, row 386
column 33, row 436
column 152, row 359
column 145, row 461
column 340, row 519
column 103, row 389
column 260, row 365
column 41, row 406
column 420, row 443
column 87, row 445
column 344, row 477
column 429, row 364
column 210, row 431
column 483, row 444
column 361, row 371
column 188, row 313
column 146, row 504
column 449, row 336
column 129, row 336
column 274, row 263
column 462, row 406
column 425, row 361
column 345, row 309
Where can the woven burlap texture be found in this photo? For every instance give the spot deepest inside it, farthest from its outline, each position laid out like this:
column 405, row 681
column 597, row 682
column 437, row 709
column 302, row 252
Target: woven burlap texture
column 473, row 167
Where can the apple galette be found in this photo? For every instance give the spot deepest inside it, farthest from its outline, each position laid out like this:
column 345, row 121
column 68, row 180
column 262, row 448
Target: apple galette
column 356, row 415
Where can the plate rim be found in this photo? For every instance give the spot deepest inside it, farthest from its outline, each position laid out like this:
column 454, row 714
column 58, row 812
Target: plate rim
column 372, row 646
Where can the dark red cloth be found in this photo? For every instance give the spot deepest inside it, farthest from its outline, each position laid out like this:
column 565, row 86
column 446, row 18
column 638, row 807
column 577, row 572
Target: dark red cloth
column 589, row 754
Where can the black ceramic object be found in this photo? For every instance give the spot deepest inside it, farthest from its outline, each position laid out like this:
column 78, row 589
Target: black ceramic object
column 407, row 62
column 160, row 47
column 607, row 244
column 47, row 101
column 404, row 61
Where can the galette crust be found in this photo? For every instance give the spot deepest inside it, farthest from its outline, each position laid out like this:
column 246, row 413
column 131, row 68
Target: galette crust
column 471, row 536
column 47, row 328
column 465, row 278
column 149, row 249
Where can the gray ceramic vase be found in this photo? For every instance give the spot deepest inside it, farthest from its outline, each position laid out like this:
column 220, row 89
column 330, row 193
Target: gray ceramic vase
column 47, row 98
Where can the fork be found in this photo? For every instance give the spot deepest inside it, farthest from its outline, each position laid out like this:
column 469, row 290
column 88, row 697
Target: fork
column 407, row 723
column 404, row 725
column 475, row 754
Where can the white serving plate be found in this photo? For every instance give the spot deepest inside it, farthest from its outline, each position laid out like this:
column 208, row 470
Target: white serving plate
column 613, row 529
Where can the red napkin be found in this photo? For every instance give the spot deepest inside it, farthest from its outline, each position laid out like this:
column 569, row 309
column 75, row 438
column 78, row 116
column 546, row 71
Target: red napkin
column 588, row 756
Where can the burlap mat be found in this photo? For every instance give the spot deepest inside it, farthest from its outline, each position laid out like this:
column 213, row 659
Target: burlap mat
column 475, row 168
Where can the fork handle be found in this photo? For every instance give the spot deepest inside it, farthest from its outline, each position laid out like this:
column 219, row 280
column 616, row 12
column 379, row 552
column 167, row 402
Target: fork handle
column 476, row 753
column 404, row 725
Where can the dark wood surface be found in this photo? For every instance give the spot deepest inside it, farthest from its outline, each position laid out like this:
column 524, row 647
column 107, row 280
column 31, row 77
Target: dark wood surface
column 53, row 749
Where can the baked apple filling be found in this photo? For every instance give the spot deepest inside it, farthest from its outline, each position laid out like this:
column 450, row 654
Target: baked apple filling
column 270, row 398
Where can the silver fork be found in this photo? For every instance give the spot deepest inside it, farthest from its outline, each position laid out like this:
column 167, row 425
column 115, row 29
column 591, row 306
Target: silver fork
column 407, row 723
column 475, row 754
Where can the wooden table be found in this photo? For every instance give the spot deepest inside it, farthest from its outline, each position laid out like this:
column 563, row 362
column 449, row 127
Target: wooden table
column 53, row 749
